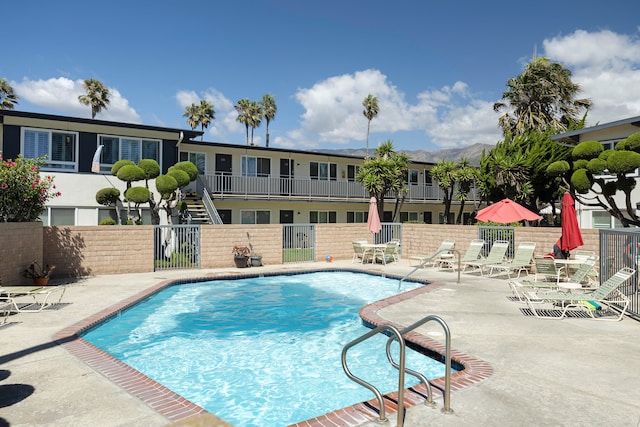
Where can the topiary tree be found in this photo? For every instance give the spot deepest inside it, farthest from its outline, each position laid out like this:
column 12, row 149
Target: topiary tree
column 129, row 173
column 598, row 175
column 170, row 185
column 151, row 169
column 110, row 196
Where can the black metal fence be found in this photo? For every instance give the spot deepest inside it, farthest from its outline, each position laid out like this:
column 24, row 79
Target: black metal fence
column 176, row 246
column 620, row 247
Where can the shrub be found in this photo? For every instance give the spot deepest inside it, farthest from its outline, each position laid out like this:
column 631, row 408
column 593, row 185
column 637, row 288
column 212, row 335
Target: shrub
column 108, row 221
column 558, row 168
column 23, row 192
column 587, row 150
column 623, row 161
column 580, row 180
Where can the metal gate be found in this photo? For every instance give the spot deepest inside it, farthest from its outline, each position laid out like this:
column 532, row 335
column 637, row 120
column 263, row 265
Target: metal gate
column 298, row 243
column 390, row 231
column 620, row 247
column 176, row 246
column 492, row 233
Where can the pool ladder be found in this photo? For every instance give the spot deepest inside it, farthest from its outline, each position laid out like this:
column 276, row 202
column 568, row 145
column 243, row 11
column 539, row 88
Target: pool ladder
column 402, row 369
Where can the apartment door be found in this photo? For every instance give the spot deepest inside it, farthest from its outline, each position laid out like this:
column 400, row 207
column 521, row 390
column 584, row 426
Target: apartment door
column 223, row 172
column 286, row 217
column 286, row 174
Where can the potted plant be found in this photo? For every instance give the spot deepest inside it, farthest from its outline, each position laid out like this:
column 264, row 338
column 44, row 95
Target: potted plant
column 256, row 260
column 40, row 275
column 241, row 255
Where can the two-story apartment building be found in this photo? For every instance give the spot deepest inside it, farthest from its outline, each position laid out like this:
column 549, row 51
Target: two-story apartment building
column 244, row 184
column 608, row 134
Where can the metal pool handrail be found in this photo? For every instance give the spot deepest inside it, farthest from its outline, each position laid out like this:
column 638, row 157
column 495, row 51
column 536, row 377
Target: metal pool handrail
column 421, row 265
column 401, row 370
column 447, row 357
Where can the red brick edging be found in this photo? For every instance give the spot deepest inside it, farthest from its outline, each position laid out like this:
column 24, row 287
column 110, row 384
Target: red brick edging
column 175, row 407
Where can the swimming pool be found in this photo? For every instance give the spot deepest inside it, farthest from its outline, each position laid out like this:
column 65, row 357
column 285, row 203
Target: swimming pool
column 228, row 345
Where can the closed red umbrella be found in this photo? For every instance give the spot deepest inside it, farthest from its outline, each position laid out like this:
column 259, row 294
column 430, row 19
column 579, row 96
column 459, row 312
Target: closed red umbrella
column 506, row 211
column 571, row 236
column 373, row 222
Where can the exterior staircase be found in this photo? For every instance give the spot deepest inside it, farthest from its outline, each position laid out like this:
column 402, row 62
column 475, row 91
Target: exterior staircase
column 196, row 209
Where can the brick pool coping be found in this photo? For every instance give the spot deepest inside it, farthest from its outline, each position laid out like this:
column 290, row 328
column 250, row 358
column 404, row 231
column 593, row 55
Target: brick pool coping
column 176, row 408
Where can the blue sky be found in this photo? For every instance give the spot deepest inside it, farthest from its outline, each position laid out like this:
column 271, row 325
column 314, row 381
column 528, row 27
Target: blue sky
column 436, row 68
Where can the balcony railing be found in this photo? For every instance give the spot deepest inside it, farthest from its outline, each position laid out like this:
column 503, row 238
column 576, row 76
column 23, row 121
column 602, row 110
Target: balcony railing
column 221, row 186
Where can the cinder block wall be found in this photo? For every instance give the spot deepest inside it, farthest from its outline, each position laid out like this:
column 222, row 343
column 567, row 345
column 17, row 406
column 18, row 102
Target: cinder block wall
column 94, row 250
column 22, row 244
column 218, row 241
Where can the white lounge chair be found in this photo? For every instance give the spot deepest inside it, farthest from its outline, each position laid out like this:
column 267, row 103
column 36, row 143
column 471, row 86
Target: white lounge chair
column 496, row 256
column 436, row 257
column 521, row 260
column 37, row 297
column 594, row 302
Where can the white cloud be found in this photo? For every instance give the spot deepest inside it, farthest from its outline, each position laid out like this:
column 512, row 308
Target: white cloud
column 225, row 122
column 61, row 94
column 606, row 65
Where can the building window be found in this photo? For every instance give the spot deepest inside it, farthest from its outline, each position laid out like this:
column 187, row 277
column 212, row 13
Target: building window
column 256, row 166
column 603, row 219
column 323, row 171
column 120, row 148
column 428, row 179
column 412, row 177
column 451, row 219
column 352, row 172
column 322, row 217
column 60, row 148
column 255, row 217
column 357, row 217
column 408, row 216
column 62, row 216
column 198, row 159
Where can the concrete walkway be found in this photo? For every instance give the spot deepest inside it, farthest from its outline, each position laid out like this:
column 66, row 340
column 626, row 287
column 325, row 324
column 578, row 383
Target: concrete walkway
column 571, row 372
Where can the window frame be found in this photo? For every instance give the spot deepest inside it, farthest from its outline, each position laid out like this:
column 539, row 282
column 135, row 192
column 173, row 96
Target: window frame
column 50, row 164
column 316, row 173
column 260, row 164
column 105, row 168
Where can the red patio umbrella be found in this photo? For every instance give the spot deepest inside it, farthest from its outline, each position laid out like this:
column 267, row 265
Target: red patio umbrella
column 506, row 211
column 373, row 222
column 571, row 236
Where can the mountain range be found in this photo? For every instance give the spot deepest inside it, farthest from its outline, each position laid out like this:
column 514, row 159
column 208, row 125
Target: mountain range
column 473, row 153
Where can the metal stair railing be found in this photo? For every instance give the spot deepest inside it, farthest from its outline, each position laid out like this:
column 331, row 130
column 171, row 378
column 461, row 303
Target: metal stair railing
column 401, row 370
column 208, row 203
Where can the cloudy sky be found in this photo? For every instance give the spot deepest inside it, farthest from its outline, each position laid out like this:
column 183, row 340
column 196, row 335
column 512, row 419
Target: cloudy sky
column 436, row 69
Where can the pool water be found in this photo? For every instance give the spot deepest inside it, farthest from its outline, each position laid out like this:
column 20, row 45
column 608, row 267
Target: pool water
column 263, row 351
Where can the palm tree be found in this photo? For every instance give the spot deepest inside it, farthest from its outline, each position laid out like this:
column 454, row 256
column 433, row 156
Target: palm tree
column 269, row 109
column 370, row 111
column 244, row 115
column 8, row 99
column 200, row 115
column 255, row 117
column 542, row 96
column 97, row 96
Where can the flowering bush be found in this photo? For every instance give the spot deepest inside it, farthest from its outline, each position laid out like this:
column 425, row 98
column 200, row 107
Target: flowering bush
column 23, row 192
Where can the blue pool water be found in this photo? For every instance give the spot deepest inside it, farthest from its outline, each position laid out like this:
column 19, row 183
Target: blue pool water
column 262, row 351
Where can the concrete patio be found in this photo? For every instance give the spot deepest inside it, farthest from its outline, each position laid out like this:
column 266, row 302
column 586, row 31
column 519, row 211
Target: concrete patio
column 570, row 372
